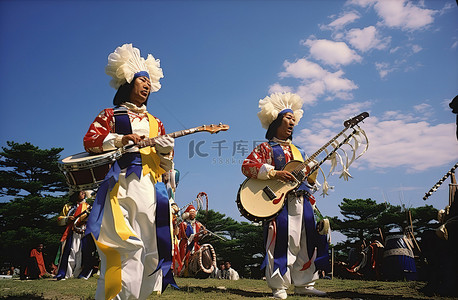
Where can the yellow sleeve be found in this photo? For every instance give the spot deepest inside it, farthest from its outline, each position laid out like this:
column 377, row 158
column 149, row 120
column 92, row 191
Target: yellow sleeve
column 62, row 218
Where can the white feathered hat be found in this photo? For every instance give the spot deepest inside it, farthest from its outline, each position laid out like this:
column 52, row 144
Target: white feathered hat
column 125, row 62
column 271, row 106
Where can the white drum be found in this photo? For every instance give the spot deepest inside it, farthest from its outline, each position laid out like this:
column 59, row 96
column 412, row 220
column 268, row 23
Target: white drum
column 85, row 171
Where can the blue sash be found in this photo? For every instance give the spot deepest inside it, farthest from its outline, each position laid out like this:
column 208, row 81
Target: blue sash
column 281, row 241
column 133, row 163
column 164, row 241
column 314, row 239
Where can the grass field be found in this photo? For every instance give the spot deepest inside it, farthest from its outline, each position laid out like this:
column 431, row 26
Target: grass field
column 215, row 289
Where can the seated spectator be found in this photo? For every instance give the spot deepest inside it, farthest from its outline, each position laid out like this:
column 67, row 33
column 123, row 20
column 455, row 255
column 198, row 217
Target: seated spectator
column 231, row 274
column 221, row 273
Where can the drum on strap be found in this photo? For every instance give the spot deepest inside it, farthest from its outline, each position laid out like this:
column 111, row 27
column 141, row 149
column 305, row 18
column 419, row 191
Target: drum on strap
column 398, row 258
column 84, row 171
column 202, row 262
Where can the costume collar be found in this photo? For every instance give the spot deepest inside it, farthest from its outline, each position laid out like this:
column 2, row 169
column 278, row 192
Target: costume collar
column 132, row 107
column 281, row 142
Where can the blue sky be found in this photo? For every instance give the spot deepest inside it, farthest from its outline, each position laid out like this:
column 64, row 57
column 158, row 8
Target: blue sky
column 395, row 59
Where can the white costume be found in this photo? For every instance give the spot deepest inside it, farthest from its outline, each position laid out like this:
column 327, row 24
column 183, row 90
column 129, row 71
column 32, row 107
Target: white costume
column 130, row 220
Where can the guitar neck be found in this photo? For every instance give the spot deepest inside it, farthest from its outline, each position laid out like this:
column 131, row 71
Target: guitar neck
column 152, row 141
column 314, row 155
column 348, row 124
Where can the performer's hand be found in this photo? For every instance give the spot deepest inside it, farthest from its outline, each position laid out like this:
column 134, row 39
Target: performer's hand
column 135, row 138
column 284, row 176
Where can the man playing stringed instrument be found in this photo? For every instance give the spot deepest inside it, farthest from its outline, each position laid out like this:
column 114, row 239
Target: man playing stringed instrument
column 190, row 232
column 294, row 248
column 130, row 218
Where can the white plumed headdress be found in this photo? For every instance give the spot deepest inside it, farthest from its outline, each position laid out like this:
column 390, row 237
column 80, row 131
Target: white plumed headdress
column 126, row 61
column 272, row 105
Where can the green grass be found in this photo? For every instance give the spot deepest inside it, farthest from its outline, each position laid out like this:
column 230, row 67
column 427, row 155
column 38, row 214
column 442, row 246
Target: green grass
column 214, row 289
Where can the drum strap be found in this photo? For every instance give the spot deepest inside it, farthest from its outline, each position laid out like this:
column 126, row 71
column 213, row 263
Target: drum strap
column 122, row 121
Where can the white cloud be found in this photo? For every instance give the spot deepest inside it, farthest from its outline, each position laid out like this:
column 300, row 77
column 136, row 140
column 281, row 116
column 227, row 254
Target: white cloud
column 278, row 88
column 334, row 82
column 393, row 142
column 448, row 6
column 422, row 108
column 416, row 146
column 384, row 69
column 366, row 39
column 454, row 45
column 344, row 19
column 332, row 53
column 362, row 3
column 416, row 48
column 315, row 81
column 303, row 69
column 393, row 50
column 404, row 14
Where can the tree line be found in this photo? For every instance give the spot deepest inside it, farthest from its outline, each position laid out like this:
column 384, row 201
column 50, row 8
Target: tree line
column 33, row 191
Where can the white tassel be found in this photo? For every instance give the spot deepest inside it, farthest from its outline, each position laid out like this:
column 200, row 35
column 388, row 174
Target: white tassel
column 361, row 131
column 333, row 161
column 325, row 186
column 345, row 175
column 353, row 150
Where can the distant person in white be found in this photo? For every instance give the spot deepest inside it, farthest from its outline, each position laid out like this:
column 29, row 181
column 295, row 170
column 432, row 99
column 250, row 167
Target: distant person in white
column 230, row 273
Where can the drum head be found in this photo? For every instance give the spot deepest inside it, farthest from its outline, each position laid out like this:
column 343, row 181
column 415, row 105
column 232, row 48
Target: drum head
column 84, row 160
column 83, row 157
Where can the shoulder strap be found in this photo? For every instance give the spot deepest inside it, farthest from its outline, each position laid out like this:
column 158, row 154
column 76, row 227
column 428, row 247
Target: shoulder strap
column 122, row 122
column 278, row 155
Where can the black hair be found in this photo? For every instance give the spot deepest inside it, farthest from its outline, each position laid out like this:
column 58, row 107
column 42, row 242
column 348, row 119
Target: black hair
column 123, row 93
column 272, row 130
column 74, row 197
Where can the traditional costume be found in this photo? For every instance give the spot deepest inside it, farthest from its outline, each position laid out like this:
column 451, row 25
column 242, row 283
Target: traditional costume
column 294, row 248
column 189, row 235
column 71, row 254
column 130, row 219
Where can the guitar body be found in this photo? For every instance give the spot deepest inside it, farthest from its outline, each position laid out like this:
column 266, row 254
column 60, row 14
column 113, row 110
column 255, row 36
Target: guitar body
column 255, row 200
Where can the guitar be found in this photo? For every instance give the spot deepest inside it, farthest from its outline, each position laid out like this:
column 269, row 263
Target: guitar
column 152, row 141
column 262, row 200
column 84, row 171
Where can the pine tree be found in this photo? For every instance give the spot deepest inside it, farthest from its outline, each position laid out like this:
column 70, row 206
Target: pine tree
column 26, row 169
column 31, row 186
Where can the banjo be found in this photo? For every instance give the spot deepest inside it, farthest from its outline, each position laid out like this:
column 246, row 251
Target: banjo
column 262, row 200
column 84, row 171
